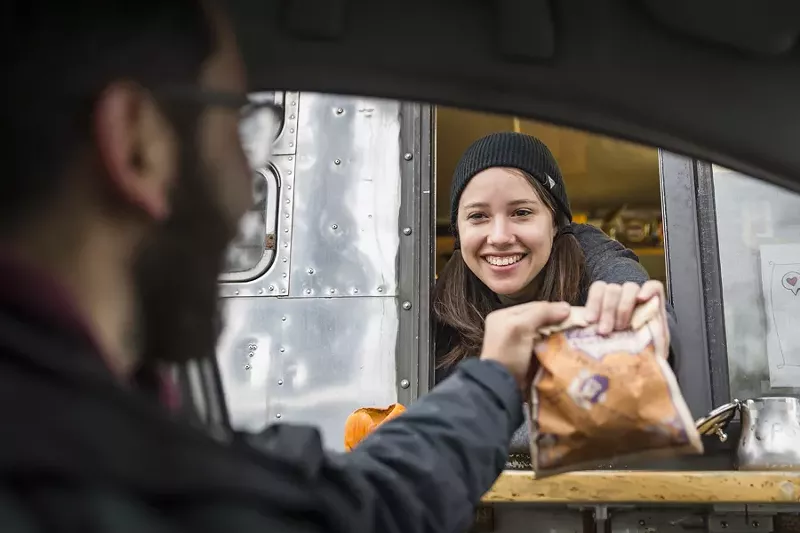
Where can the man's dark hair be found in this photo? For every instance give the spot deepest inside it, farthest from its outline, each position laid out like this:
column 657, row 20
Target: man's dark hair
column 59, row 55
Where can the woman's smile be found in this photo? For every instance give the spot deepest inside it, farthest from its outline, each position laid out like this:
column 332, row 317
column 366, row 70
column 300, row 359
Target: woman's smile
column 504, row 260
column 505, row 266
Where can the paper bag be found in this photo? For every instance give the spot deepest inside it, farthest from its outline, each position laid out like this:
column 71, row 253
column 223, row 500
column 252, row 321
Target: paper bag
column 597, row 398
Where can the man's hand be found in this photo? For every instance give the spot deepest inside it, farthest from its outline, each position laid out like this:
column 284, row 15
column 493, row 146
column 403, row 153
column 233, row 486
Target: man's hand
column 611, row 305
column 509, row 335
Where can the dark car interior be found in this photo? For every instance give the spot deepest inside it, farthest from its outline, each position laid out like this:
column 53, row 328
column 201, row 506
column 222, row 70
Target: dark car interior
column 716, row 79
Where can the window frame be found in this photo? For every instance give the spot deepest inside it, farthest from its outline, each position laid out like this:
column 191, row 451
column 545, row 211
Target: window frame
column 694, row 279
column 272, row 178
column 694, row 285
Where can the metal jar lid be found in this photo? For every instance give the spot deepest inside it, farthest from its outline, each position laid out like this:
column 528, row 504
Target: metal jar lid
column 715, row 422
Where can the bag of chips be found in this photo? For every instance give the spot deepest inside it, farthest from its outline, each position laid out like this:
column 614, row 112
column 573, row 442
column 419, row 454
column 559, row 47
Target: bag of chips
column 597, row 398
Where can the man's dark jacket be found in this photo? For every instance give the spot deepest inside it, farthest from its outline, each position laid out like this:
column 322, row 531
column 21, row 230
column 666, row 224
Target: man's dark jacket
column 83, row 452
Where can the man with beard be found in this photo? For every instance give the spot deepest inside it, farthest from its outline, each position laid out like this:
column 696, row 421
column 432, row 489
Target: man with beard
column 124, row 179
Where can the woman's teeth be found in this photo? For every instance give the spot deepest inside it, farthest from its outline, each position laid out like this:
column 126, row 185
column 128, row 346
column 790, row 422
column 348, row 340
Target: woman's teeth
column 505, row 260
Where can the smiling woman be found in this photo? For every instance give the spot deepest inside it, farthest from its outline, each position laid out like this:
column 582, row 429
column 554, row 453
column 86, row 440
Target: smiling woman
column 515, row 242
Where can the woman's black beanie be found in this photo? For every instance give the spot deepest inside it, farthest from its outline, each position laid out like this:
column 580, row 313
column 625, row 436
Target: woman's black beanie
column 513, row 150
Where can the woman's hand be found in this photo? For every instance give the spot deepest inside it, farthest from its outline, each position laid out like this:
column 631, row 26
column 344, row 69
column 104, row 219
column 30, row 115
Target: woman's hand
column 611, row 305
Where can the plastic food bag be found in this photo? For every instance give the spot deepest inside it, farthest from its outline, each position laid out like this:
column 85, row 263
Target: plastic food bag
column 597, row 398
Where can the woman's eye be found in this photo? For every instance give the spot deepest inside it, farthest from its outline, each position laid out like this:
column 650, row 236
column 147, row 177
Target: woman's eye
column 523, row 212
column 475, row 216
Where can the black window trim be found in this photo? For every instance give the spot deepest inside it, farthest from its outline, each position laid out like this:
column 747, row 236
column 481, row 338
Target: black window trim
column 694, row 285
column 694, row 279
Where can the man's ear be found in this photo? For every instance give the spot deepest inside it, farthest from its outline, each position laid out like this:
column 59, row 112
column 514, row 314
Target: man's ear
column 137, row 147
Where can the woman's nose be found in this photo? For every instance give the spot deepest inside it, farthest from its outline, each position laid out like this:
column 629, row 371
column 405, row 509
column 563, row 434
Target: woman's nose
column 500, row 232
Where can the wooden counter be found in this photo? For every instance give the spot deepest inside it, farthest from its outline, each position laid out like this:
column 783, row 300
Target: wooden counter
column 652, row 487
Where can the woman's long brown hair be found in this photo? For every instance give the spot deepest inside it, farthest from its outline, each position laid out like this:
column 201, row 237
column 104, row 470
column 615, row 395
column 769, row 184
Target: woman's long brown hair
column 461, row 301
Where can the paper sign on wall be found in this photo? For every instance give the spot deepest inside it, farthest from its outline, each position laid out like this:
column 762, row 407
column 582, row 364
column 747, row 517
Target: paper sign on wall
column 780, row 280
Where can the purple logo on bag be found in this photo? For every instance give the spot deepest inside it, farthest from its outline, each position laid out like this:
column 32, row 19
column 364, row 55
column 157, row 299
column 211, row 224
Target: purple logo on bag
column 588, row 389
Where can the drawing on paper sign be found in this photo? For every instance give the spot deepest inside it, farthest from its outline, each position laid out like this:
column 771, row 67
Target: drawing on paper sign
column 791, row 281
column 782, row 309
column 782, row 312
column 780, row 278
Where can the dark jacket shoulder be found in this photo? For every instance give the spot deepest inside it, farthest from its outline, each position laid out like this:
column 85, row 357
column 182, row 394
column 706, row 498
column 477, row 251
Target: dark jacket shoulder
column 607, row 259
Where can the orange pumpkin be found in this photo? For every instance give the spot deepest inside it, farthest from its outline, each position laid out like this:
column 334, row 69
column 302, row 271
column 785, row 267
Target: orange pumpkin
column 362, row 422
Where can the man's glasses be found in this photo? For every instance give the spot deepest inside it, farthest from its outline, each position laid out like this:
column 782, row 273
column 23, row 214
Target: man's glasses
column 260, row 119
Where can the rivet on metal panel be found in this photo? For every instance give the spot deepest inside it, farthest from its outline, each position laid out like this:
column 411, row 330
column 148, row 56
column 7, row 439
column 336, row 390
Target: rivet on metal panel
column 724, row 524
column 251, row 354
column 289, row 187
column 280, row 382
column 283, row 319
column 406, row 231
column 282, row 349
column 641, row 522
column 291, row 117
column 247, row 367
column 291, row 145
column 404, row 384
column 286, row 245
column 308, row 291
column 288, row 201
column 310, row 271
column 406, row 305
column 284, row 259
column 755, row 523
column 355, row 291
column 236, row 293
column 291, row 130
column 333, row 291
column 260, row 291
column 284, row 275
column 294, row 103
column 289, row 172
column 286, row 230
column 337, row 161
column 339, row 111
column 252, row 347
column 291, row 158
column 271, row 288
column 409, row 156
column 286, row 215
column 278, row 415
column 283, row 291
column 334, row 226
